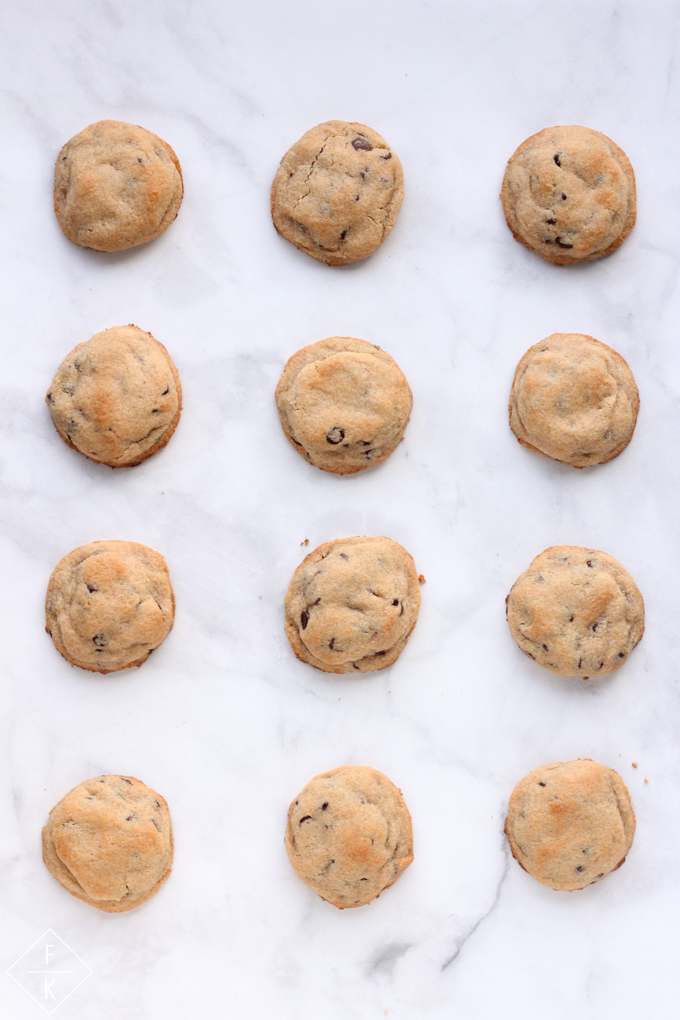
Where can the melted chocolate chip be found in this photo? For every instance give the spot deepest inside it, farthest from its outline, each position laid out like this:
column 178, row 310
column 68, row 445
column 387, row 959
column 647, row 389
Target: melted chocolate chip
column 324, row 805
column 307, row 818
column 557, row 159
column 595, row 626
column 622, row 655
column 362, row 144
column 343, row 556
column 551, row 220
column 564, row 197
column 343, row 235
column 388, row 156
column 545, row 648
column 589, row 563
column 92, row 587
column 100, row 640
column 580, row 868
column 541, row 784
column 331, row 644
column 304, row 619
column 335, row 436
column 558, row 240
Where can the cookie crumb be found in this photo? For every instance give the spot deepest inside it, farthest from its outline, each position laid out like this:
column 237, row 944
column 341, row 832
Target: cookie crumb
column 634, row 764
column 306, row 542
column 421, row 579
column 646, row 780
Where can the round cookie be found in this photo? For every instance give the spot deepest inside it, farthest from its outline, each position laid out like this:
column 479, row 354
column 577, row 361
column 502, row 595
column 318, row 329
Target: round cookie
column 352, row 604
column 117, row 397
column 349, row 835
column 576, row 611
column 337, row 192
column 571, row 823
column 116, row 185
column 343, row 404
column 109, row 842
column 569, row 194
column 109, row 604
column 574, row 399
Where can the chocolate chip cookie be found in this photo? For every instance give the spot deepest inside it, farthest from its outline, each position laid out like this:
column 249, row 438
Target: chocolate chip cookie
column 116, row 398
column 109, row 842
column 352, row 604
column 576, row 611
column 349, row 835
column 337, row 192
column 116, row 185
column 343, row 404
column 109, row 604
column 574, row 399
column 571, row 823
column 569, row 194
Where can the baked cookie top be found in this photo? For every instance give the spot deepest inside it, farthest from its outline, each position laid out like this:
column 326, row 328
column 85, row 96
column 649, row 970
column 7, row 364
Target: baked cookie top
column 574, row 399
column 116, row 185
column 576, row 611
column 571, row 823
column 109, row 604
column 117, row 397
column 569, row 194
column 352, row 604
column 109, row 842
column 343, row 404
column 349, row 835
column 337, row 192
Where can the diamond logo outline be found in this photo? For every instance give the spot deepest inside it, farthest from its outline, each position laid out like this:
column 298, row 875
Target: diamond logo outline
column 49, row 933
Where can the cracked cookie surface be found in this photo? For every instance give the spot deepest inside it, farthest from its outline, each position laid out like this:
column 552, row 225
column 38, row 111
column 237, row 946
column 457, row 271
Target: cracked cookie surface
column 109, row 842
column 352, row 604
column 569, row 194
column 109, row 605
column 337, row 192
column 117, row 397
column 116, row 185
column 343, row 404
column 571, row 823
column 349, row 835
column 576, row 611
column 574, row 399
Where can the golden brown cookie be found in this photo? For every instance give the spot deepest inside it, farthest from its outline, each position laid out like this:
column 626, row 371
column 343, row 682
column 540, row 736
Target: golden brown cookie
column 116, row 398
column 574, row 399
column 576, row 611
column 343, row 404
column 569, row 194
column 109, row 604
column 109, row 842
column 352, row 604
column 116, row 185
column 349, row 835
column 337, row 192
column 571, row 823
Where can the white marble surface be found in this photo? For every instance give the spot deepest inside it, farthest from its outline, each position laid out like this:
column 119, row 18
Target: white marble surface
column 222, row 720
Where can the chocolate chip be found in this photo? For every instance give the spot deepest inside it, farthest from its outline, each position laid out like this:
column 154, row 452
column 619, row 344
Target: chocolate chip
column 307, row 818
column 304, row 619
column 571, row 619
column 92, row 587
column 621, row 655
column 156, row 824
column 564, row 197
column 541, row 784
column 530, row 655
column 601, row 665
column 589, row 563
column 157, row 805
column 100, row 640
column 362, row 144
column 388, row 156
column 165, row 391
column 324, row 805
column 335, row 436
column 381, row 653
column 362, row 174
column 364, row 442
column 580, row 868
column 343, row 235
column 343, row 556
column 367, row 453
column 139, row 159
column 601, row 875
column 331, row 644
column 123, row 780
column 356, row 198
column 579, row 663
column 595, row 626
column 49, row 397
column 395, row 602
column 557, row 159
column 551, row 220
column 558, row 240
column 545, row 648
column 129, row 818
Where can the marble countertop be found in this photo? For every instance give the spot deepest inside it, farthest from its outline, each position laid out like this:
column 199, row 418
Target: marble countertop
column 223, row 720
